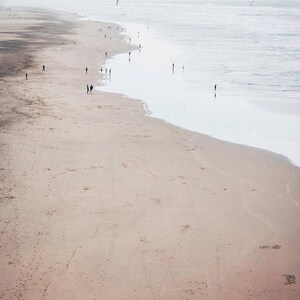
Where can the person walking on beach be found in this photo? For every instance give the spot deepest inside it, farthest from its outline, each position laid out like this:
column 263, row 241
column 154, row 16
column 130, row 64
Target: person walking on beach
column 44, row 68
column 87, row 89
column 26, row 75
column 105, row 54
column 86, row 70
column 173, row 66
column 91, row 88
column 215, row 88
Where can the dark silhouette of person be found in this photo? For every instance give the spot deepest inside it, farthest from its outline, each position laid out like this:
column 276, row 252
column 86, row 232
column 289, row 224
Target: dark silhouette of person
column 87, row 89
column 91, row 88
column 215, row 87
column 26, row 75
column 105, row 54
column 86, row 70
column 44, row 68
column 173, row 66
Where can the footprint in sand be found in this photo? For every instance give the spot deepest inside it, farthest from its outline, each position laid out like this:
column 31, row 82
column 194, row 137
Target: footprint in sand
column 156, row 200
column 194, row 287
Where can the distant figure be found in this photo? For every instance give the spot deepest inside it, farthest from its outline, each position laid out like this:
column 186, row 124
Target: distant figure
column 117, row 3
column 138, row 34
column 129, row 53
column 140, row 46
column 87, row 89
column 173, row 67
column 106, row 71
column 215, row 87
column 109, row 72
column 86, row 70
column 105, row 54
column 44, row 68
column 183, row 68
column 91, row 88
column 105, row 36
column 26, row 75
column 101, row 70
column 129, row 40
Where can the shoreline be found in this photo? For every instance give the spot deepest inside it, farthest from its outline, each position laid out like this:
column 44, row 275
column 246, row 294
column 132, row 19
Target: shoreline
column 204, row 116
column 100, row 201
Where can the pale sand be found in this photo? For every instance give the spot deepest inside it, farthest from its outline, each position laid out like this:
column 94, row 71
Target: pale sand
column 100, row 202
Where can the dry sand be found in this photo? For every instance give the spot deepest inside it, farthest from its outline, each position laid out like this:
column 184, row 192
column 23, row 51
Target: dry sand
column 100, row 202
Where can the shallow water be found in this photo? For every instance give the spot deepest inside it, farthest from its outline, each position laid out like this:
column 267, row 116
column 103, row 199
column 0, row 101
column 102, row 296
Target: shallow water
column 250, row 51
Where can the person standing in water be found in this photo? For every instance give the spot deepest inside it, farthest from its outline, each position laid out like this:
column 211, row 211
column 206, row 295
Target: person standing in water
column 91, row 88
column 87, row 89
column 173, row 67
column 86, row 70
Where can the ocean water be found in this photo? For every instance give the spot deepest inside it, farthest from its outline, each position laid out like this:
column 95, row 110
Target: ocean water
column 250, row 49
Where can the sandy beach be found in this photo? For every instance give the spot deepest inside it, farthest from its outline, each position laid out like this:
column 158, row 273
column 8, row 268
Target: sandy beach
column 100, row 201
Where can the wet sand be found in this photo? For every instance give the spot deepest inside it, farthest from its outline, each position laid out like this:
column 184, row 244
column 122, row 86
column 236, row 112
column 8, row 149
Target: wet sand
column 99, row 201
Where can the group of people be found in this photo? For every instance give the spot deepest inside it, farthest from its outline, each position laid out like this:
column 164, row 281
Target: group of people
column 89, row 89
column 173, row 71
column 43, row 68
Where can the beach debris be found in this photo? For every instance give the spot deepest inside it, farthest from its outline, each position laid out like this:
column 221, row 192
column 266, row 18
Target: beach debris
column 185, row 227
column 290, row 279
column 275, row 247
